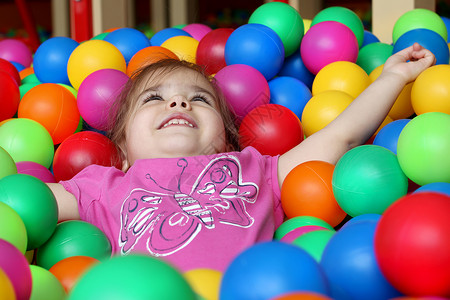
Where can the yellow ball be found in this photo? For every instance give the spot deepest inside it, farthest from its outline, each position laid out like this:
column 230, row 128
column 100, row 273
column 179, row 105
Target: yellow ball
column 431, row 90
column 402, row 107
column 6, row 287
column 91, row 56
column 205, row 282
column 323, row 108
column 185, row 47
column 342, row 76
column 307, row 24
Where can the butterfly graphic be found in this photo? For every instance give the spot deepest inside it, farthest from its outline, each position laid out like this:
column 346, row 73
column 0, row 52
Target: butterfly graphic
column 217, row 195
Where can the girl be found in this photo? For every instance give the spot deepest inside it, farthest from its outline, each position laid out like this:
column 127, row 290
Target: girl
column 185, row 192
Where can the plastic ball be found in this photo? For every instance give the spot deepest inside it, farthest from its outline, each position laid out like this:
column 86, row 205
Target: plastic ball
column 204, row 282
column 412, row 245
column 69, row 270
column 244, row 88
column 293, row 66
column 106, row 280
column 431, row 90
column 368, row 179
column 341, row 76
column 36, row 170
column 148, row 56
column 9, row 68
column 91, row 56
column 197, row 30
column 284, row 20
column 327, row 42
column 307, row 191
column 128, row 41
column 373, row 55
column 18, row 66
column 54, row 107
column 270, row 269
column 299, row 231
column 297, row 222
column 388, row 136
column 302, row 296
column 7, row 162
column 6, row 287
column 12, row 228
column 184, row 47
column 25, row 73
column 81, row 150
column 73, row 238
column 258, row 46
column 10, row 98
column 437, row 187
column 289, row 92
column 422, row 148
column 16, row 50
column 25, row 87
column 97, row 94
column 314, row 242
column 211, row 50
column 419, row 18
column 271, row 129
column 323, row 108
column 362, row 218
column 45, row 285
column 51, row 58
column 369, row 38
column 163, row 35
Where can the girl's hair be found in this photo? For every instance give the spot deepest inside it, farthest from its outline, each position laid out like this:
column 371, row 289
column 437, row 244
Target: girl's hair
column 124, row 105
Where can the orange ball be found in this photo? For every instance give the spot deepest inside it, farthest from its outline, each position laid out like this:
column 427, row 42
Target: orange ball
column 148, row 56
column 307, row 191
column 70, row 269
column 302, row 296
column 54, row 107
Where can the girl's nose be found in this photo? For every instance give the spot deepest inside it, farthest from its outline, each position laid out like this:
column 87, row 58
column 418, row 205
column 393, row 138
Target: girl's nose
column 179, row 102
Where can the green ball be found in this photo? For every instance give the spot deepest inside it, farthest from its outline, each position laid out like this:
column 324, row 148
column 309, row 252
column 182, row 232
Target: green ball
column 25, row 87
column 12, row 228
column 135, row 276
column 297, row 222
column 8, row 166
column 100, row 36
column 31, row 79
column 284, row 20
column 35, row 203
column 27, row 140
column 367, row 179
column 70, row 88
column 45, row 285
column 419, row 18
column 314, row 242
column 423, row 148
column 342, row 15
column 373, row 55
column 73, row 238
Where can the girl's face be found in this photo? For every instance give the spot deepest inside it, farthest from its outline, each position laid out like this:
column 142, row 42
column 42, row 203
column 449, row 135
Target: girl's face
column 175, row 116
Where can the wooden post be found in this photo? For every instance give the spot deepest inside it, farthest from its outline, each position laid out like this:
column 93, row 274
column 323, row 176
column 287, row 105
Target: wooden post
column 107, row 14
column 60, row 18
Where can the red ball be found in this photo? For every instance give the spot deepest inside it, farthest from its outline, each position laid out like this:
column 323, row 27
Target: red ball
column 271, row 128
column 11, row 69
column 211, row 50
column 9, row 96
column 412, row 244
column 81, row 150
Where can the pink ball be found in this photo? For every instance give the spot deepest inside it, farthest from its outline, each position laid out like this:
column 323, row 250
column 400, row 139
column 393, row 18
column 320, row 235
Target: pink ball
column 16, row 267
column 295, row 233
column 196, row 30
column 97, row 93
column 244, row 87
column 34, row 169
column 16, row 51
column 327, row 42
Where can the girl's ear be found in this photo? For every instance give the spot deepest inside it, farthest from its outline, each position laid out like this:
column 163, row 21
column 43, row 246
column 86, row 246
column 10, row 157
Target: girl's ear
column 125, row 165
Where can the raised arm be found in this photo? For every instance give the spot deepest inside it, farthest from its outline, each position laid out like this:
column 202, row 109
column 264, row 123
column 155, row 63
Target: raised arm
column 357, row 123
column 67, row 204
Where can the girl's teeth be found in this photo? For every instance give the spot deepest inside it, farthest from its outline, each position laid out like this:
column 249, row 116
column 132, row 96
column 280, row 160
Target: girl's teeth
column 178, row 121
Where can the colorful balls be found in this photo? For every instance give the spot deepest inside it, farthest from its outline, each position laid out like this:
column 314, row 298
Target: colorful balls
column 9, row 68
column 307, row 191
column 91, row 56
column 323, row 108
column 45, row 285
column 51, row 58
column 16, row 50
column 128, row 41
column 163, row 35
column 284, row 20
column 73, row 238
column 271, row 129
column 388, row 136
column 185, row 47
column 293, row 66
column 9, row 101
column 412, row 245
column 258, row 46
column 106, row 280
column 34, row 169
column 81, row 150
column 244, row 88
column 270, row 269
column 431, row 90
column 27, row 140
column 299, row 231
column 327, row 42
column 197, row 30
column 419, row 18
column 373, row 55
column 148, row 56
column 211, row 50
column 314, row 242
column 12, row 228
column 297, row 222
column 54, row 107
column 422, row 148
column 367, row 179
column 97, row 94
column 204, row 282
column 7, row 162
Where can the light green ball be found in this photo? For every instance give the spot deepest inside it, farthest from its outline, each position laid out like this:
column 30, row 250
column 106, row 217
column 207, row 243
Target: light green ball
column 45, row 285
column 297, row 222
column 8, row 166
column 12, row 228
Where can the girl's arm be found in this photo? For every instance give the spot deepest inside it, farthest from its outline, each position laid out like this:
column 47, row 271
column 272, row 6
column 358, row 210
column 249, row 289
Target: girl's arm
column 67, row 204
column 357, row 123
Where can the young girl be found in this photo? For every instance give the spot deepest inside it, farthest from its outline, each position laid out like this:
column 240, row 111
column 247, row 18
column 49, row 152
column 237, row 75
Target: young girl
column 186, row 194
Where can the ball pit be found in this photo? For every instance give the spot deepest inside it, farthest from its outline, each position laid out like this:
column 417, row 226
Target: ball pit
column 211, row 50
column 185, row 47
column 128, row 40
column 36, row 170
column 45, row 285
column 161, row 36
column 297, row 222
column 197, row 30
column 299, row 231
column 16, row 50
column 388, row 136
column 146, row 56
column 293, row 66
column 10, row 95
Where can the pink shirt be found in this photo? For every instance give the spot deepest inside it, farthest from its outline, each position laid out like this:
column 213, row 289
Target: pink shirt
column 195, row 212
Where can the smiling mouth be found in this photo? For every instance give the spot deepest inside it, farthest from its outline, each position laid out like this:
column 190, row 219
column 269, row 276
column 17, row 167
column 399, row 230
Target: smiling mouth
column 178, row 122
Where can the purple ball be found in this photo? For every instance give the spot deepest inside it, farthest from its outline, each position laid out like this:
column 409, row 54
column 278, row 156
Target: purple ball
column 17, row 51
column 34, row 169
column 198, row 31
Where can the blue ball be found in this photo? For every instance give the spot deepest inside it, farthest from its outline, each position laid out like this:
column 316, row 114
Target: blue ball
column 51, row 58
column 350, row 264
column 447, row 25
column 438, row 187
column 161, row 36
column 387, row 137
column 293, row 66
column 289, row 92
column 128, row 41
column 270, row 269
column 369, row 38
column 428, row 39
column 18, row 66
column 258, row 46
column 362, row 218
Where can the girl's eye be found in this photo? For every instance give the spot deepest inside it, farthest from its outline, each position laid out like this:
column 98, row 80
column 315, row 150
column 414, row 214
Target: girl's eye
column 200, row 98
column 153, row 97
